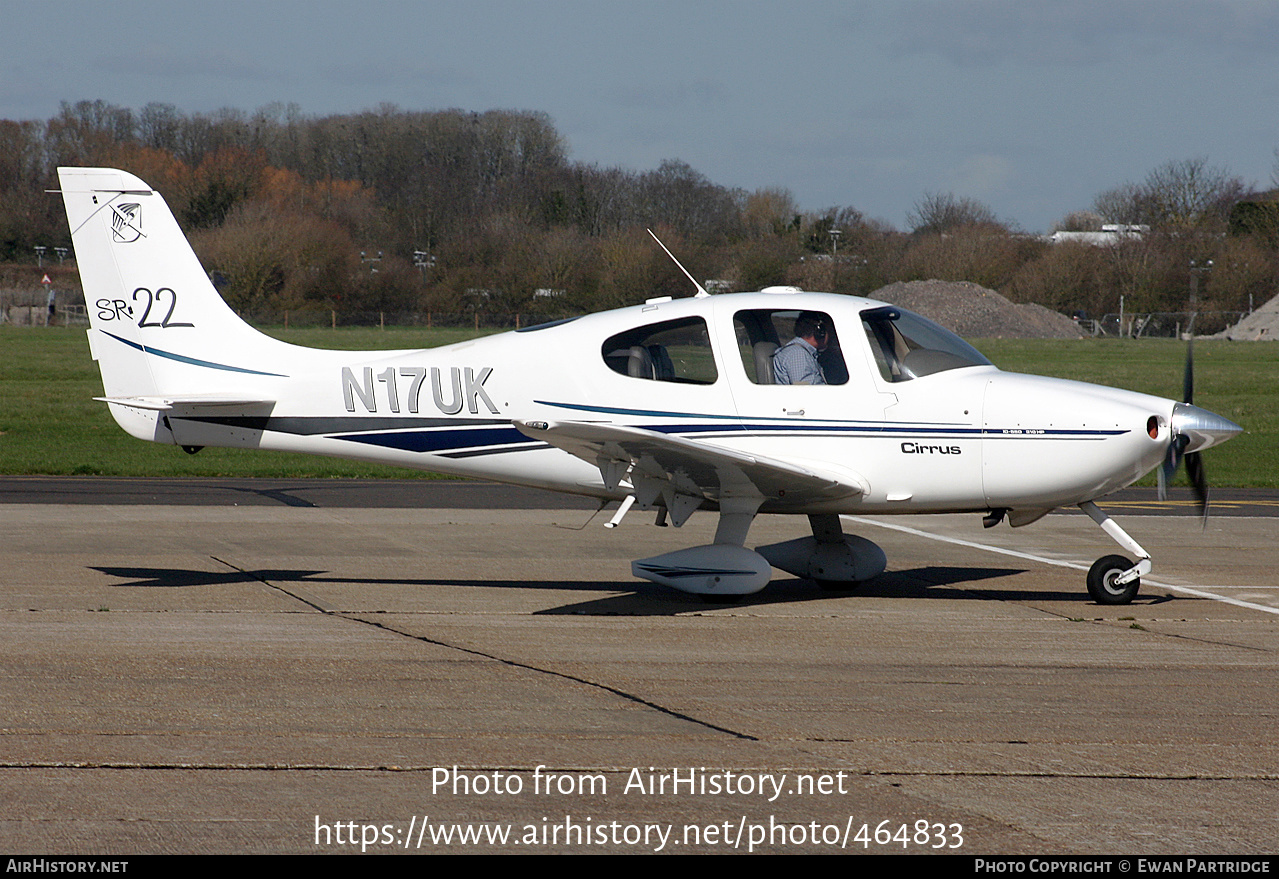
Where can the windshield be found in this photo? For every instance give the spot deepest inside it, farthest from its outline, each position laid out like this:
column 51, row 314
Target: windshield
column 907, row 346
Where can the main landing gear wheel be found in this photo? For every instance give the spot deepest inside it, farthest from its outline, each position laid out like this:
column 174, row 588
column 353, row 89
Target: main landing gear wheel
column 1101, row 581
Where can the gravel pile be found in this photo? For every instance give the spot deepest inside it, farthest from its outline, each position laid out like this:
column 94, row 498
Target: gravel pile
column 974, row 312
column 1261, row 325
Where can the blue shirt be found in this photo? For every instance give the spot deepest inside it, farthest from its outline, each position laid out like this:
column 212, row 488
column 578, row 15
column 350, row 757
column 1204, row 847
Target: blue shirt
column 795, row 363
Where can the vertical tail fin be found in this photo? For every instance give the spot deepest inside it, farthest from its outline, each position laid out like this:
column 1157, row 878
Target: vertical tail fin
column 159, row 328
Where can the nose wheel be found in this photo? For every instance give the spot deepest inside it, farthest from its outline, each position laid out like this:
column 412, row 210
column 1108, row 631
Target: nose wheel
column 1114, row 579
column 1106, row 582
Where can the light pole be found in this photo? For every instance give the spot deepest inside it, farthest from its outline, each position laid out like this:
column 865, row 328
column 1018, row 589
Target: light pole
column 1196, row 269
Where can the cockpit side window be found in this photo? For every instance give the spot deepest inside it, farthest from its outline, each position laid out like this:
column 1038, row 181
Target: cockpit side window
column 761, row 332
column 672, row 351
column 907, row 346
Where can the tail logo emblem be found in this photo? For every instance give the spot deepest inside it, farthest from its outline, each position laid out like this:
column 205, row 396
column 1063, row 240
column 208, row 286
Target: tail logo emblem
column 126, row 223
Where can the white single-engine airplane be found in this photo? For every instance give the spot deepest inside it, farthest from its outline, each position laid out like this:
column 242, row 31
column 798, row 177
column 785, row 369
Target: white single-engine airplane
column 673, row 406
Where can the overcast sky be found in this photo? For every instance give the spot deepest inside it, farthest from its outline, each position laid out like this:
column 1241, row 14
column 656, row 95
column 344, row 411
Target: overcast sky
column 1032, row 107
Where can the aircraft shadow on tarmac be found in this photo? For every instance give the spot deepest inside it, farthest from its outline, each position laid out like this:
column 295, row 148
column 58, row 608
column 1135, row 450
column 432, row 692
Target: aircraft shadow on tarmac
column 282, row 495
column 178, row 578
column 929, row 582
column 634, row 598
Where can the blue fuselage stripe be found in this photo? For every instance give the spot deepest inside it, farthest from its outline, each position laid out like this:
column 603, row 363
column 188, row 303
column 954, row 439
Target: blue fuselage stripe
column 191, row 361
column 818, row 426
column 439, row 440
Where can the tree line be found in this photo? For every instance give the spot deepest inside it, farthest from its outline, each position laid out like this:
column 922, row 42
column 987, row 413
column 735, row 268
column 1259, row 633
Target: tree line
column 407, row 211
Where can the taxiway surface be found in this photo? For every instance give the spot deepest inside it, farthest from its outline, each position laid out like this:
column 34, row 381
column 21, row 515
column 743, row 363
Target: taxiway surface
column 184, row 676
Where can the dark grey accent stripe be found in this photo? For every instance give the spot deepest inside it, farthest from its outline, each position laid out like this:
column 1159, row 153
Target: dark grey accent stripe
column 316, row 425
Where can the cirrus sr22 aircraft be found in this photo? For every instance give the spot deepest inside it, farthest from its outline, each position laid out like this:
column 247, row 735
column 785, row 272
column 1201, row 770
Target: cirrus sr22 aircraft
column 670, row 406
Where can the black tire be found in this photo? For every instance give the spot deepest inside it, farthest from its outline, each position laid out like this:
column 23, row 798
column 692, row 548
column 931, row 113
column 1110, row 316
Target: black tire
column 1101, row 581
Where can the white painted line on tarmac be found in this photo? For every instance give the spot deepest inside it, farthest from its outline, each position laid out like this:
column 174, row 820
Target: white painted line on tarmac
column 1185, row 590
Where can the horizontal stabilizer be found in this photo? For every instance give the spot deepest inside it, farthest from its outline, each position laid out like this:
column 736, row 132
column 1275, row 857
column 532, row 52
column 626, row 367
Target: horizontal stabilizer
column 188, row 403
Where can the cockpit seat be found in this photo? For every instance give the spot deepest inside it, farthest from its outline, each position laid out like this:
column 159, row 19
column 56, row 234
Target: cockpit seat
column 764, row 352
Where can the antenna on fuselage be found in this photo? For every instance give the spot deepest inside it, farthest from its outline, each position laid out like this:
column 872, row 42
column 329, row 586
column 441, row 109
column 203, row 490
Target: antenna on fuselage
column 701, row 291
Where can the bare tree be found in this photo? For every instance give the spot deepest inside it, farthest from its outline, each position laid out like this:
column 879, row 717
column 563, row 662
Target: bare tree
column 1079, row 221
column 770, row 211
column 1178, row 196
column 1191, row 192
column 939, row 212
column 1123, row 204
column 679, row 196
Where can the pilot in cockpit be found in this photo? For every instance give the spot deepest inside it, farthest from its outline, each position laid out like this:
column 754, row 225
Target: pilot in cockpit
column 796, row 363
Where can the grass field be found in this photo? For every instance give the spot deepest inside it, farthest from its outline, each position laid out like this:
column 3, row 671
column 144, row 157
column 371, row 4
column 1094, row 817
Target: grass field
column 49, row 422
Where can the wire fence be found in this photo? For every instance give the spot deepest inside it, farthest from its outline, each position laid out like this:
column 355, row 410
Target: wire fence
column 1162, row 324
column 32, row 309
column 476, row 320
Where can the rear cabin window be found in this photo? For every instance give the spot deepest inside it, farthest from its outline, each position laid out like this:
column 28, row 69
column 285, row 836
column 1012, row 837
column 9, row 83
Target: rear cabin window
column 673, row 351
column 761, row 332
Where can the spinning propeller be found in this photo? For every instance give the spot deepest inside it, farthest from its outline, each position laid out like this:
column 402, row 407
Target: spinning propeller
column 1193, row 430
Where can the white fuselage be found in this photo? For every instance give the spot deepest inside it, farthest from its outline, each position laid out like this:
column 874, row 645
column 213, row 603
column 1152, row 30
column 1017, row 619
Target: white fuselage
column 968, row 438
column 779, row 401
